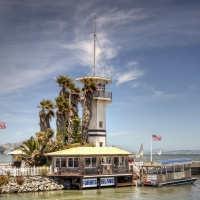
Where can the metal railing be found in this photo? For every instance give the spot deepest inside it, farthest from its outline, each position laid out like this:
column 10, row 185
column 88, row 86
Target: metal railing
column 100, row 94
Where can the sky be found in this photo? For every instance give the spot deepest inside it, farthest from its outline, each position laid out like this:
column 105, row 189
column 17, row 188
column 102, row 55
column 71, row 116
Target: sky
column 152, row 56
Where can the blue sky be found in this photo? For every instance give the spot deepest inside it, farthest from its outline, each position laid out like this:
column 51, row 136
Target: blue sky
column 152, row 48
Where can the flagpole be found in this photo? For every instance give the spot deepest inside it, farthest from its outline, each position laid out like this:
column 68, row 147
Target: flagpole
column 151, row 147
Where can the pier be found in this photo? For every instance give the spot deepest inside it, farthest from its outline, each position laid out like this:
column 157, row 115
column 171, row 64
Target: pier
column 195, row 167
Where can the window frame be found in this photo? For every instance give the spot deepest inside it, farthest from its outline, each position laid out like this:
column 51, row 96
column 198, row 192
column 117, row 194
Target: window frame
column 91, row 165
column 121, row 161
column 100, row 124
column 60, row 159
column 73, row 162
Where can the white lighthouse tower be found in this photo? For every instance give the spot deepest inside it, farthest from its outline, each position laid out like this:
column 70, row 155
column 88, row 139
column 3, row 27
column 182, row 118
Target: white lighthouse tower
column 101, row 98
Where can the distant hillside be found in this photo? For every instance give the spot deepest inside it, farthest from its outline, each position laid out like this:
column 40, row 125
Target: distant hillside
column 6, row 148
column 177, row 152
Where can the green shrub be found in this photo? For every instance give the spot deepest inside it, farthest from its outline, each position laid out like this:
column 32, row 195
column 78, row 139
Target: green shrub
column 3, row 180
column 19, row 180
column 43, row 172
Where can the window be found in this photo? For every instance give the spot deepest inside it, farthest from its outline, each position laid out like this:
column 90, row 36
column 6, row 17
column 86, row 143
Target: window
column 105, row 160
column 91, row 162
column 100, row 124
column 187, row 167
column 170, row 169
column 119, row 161
column 60, row 162
column 73, row 162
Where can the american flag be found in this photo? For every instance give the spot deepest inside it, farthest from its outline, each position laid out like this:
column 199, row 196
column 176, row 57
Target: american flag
column 156, row 137
column 2, row 125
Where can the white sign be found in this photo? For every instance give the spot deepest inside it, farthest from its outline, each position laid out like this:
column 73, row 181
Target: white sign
column 89, row 182
column 107, row 181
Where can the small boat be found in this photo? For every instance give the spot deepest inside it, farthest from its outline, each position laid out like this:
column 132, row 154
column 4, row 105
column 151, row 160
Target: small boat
column 167, row 172
column 157, row 153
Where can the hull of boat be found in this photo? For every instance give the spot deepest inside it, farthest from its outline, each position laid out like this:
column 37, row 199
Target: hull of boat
column 180, row 182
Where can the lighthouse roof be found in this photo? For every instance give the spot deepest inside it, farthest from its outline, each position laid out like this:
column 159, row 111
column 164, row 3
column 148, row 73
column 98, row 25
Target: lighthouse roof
column 90, row 151
column 98, row 79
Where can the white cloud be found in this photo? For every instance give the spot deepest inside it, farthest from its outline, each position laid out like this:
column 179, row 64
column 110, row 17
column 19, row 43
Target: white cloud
column 193, row 88
column 155, row 92
column 128, row 76
column 119, row 133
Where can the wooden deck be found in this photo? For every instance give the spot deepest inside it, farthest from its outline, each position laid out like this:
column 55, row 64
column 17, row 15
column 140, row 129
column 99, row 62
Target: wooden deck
column 124, row 184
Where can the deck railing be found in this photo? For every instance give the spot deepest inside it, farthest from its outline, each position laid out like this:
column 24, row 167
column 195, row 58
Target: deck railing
column 103, row 169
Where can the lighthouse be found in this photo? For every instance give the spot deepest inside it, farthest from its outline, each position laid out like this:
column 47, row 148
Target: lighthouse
column 101, row 98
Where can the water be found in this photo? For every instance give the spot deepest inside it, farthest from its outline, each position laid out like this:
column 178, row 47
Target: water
column 5, row 159
column 193, row 157
column 182, row 192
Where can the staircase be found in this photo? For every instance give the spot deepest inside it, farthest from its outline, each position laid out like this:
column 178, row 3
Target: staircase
column 136, row 167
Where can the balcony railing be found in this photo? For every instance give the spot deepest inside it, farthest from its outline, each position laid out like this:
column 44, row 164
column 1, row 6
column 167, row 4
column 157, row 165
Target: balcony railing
column 101, row 94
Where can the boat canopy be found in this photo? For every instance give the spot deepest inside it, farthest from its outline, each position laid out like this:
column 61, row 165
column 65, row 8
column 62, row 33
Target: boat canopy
column 179, row 160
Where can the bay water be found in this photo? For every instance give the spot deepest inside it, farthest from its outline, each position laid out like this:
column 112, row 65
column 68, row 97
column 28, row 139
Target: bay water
column 182, row 192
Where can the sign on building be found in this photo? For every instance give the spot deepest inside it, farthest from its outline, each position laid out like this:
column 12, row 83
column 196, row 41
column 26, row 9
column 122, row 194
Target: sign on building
column 89, row 183
column 107, row 181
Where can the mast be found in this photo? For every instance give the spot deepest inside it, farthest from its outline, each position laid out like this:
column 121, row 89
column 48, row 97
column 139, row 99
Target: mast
column 94, row 42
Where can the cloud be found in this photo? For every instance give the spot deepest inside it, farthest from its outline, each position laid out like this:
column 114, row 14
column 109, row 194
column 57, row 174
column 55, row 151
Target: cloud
column 155, row 92
column 120, row 133
column 193, row 88
column 128, row 76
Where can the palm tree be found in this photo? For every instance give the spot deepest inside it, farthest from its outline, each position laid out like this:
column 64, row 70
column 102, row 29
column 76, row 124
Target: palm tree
column 64, row 82
column 43, row 138
column 30, row 149
column 46, row 114
column 88, row 90
column 73, row 110
column 62, row 113
column 65, row 114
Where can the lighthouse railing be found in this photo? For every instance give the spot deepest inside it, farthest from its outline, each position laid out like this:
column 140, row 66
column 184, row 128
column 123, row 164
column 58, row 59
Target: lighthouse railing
column 100, row 93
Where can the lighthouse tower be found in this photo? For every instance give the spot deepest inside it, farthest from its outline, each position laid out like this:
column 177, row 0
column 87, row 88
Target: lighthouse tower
column 101, row 98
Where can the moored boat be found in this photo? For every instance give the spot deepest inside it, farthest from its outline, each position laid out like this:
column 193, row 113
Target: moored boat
column 167, row 172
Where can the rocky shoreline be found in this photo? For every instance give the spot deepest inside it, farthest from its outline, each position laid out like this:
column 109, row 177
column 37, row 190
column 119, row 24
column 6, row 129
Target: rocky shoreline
column 34, row 184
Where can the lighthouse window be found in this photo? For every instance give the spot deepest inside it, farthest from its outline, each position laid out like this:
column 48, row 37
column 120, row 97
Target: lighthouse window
column 100, row 124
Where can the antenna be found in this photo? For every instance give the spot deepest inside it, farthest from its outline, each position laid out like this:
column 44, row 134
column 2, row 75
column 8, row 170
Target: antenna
column 94, row 41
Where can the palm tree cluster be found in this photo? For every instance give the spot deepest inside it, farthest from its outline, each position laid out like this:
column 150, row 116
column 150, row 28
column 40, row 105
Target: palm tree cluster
column 69, row 132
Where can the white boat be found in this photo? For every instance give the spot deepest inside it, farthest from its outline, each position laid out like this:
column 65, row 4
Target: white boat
column 140, row 153
column 157, row 153
column 167, row 172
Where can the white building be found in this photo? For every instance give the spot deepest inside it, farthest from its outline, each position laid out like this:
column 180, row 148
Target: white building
column 97, row 127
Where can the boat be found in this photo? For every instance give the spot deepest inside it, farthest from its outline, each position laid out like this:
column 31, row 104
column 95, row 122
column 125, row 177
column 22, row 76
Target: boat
column 157, row 153
column 167, row 172
column 140, row 153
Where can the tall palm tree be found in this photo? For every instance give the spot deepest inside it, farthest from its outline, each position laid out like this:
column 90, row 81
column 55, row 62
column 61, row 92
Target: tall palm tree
column 65, row 116
column 61, row 115
column 64, row 82
column 46, row 113
column 89, row 88
column 73, row 110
